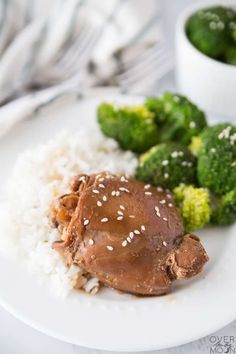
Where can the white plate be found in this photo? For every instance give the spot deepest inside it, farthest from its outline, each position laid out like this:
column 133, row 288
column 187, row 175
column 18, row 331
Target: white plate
column 110, row 320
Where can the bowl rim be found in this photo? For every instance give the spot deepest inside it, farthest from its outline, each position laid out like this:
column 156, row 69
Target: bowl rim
column 181, row 33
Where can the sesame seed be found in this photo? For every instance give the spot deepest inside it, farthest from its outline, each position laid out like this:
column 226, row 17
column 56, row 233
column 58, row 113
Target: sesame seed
column 124, row 243
column 169, row 196
column 165, row 219
column 147, row 186
column 95, row 191
column 123, row 179
column 213, row 150
column 176, row 99
column 170, row 205
column 192, row 124
column 184, row 163
column 82, row 179
column 162, row 201
column 110, row 248
column 174, row 154
column 190, row 164
column 120, row 218
column 104, row 220
column 131, row 234
column 148, row 193
column 104, row 198
column 128, row 239
column 101, row 179
column 131, row 216
column 181, row 153
column 113, row 193
column 101, row 185
column 159, row 189
column 91, row 242
column 122, row 189
column 165, row 163
column 220, row 25
column 225, row 133
column 164, row 243
column 143, row 228
column 120, row 212
column 166, row 175
column 215, row 17
column 213, row 25
column 86, row 222
column 117, row 193
column 137, row 232
column 99, row 203
column 122, row 207
column 157, row 211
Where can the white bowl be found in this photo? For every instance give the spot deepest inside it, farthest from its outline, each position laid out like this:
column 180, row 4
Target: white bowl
column 207, row 82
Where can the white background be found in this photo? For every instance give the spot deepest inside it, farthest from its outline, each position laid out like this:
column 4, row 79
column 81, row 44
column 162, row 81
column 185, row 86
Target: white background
column 17, row 338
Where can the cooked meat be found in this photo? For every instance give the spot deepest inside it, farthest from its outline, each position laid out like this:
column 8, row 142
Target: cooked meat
column 127, row 234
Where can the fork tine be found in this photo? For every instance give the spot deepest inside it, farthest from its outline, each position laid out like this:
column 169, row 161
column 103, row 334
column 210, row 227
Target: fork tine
column 79, row 54
column 84, row 49
column 155, row 50
column 154, row 68
column 140, row 85
column 157, row 59
column 154, row 74
column 73, row 47
column 89, row 47
column 130, row 60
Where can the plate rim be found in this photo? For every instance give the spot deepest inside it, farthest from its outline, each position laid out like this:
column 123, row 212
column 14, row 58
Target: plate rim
column 10, row 308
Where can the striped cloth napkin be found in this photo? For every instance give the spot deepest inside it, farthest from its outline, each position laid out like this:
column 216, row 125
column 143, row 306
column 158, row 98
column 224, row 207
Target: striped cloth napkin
column 51, row 48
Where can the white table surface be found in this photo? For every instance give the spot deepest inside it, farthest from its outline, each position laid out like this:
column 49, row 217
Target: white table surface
column 17, row 338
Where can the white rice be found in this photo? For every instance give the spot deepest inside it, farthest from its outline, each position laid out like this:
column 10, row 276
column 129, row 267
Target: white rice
column 39, row 176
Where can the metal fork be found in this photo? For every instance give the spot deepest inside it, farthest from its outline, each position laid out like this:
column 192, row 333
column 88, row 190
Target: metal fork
column 144, row 71
column 79, row 53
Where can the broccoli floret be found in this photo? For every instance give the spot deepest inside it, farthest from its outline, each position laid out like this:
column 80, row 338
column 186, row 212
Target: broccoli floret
column 216, row 166
column 209, row 30
column 155, row 105
column 133, row 127
column 177, row 117
column 107, row 118
column 167, row 165
column 225, row 211
column 194, row 204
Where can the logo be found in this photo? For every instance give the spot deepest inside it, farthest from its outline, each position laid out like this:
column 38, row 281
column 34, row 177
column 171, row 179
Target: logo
column 222, row 344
